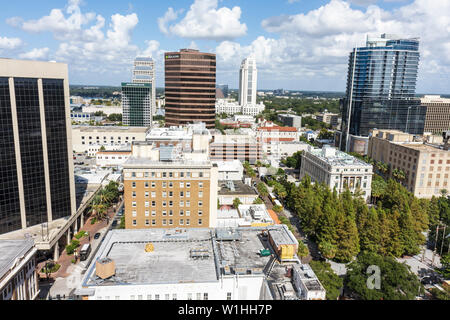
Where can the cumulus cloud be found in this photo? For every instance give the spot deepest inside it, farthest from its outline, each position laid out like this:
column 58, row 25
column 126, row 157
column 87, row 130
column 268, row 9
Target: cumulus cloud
column 36, row 54
column 317, row 43
column 10, row 43
column 205, row 20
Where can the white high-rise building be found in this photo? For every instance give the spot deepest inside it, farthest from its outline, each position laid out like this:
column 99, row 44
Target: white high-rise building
column 248, row 77
column 144, row 72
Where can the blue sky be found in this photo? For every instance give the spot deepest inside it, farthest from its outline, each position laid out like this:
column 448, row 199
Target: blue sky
column 298, row 44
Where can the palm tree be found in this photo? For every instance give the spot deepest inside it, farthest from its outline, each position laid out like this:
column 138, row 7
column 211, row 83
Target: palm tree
column 399, row 174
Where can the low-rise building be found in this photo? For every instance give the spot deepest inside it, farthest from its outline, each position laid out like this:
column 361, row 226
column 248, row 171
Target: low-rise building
column 242, row 147
column 426, row 165
column 328, row 118
column 337, row 169
column 112, row 158
column 107, row 110
column 192, row 264
column 230, row 190
column 18, row 277
column 230, row 170
column 90, row 139
column 230, row 106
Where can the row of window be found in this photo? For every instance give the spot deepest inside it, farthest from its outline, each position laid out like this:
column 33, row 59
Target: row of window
column 167, row 222
column 167, row 296
column 164, row 184
column 104, row 138
column 164, row 194
column 167, row 174
column 165, row 213
column 164, row 204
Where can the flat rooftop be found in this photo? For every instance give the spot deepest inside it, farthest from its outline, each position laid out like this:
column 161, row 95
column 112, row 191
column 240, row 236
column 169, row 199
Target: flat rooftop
column 240, row 188
column 182, row 255
column 11, row 250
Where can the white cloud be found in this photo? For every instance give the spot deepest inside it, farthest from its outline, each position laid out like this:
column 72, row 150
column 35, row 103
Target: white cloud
column 36, row 54
column 317, row 43
column 205, row 20
column 10, row 43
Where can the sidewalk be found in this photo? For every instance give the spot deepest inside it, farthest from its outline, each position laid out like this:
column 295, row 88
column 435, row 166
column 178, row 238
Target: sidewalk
column 65, row 260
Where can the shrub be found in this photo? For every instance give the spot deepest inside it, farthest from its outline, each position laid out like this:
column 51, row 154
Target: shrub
column 93, row 220
column 80, row 234
column 51, row 268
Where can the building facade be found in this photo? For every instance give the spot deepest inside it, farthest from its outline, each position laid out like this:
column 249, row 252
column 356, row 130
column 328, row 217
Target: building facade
column 18, row 276
column 437, row 119
column 426, row 166
column 248, row 78
column 144, row 72
column 36, row 168
column 90, row 139
column 337, row 169
column 137, row 104
column 381, row 85
column 328, row 118
column 290, row 120
column 235, row 147
column 190, row 87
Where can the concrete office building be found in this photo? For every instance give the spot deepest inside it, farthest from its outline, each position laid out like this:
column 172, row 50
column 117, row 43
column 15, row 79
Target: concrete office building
column 337, row 169
column 381, row 86
column 18, row 277
column 426, row 165
column 190, row 87
column 197, row 264
column 248, row 78
column 36, row 168
column 328, row 118
column 437, row 118
column 166, row 187
column 108, row 110
column 137, row 104
column 232, row 189
column 144, row 72
column 231, row 107
column 290, row 120
column 90, row 139
column 240, row 147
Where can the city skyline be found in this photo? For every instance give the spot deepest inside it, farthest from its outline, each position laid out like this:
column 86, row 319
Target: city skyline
column 298, row 45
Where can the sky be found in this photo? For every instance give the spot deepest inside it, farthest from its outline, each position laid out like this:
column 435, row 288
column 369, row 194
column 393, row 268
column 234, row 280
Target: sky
column 298, row 44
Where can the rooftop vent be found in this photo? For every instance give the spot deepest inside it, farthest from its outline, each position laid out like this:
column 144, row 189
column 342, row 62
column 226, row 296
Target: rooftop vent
column 105, row 268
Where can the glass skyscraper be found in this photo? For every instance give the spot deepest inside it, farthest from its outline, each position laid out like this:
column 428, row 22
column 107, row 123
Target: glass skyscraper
column 137, row 104
column 36, row 169
column 381, row 85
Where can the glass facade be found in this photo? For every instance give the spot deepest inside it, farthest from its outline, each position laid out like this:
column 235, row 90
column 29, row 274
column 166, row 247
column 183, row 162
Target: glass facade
column 381, row 85
column 31, row 152
column 136, row 102
column 58, row 159
column 10, row 218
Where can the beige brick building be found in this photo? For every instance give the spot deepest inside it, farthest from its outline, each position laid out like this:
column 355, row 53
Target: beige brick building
column 437, row 117
column 164, row 188
column 426, row 165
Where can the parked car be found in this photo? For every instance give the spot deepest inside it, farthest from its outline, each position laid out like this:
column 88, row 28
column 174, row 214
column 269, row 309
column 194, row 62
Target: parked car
column 97, row 235
column 114, row 223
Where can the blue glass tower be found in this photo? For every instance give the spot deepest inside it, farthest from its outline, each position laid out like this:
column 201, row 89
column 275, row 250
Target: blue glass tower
column 381, row 85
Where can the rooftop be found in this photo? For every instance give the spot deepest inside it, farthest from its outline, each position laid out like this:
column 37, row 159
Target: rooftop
column 335, row 157
column 110, row 129
column 11, row 252
column 277, row 128
column 235, row 187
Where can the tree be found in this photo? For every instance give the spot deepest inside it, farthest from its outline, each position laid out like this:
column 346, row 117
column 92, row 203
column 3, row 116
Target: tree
column 99, row 114
column 277, row 208
column 399, row 175
column 102, row 148
column 327, row 249
column 236, row 202
column 262, row 189
column 258, row 201
column 328, row 278
column 397, row 282
column 279, row 190
column 115, row 117
column 445, row 269
column 302, row 250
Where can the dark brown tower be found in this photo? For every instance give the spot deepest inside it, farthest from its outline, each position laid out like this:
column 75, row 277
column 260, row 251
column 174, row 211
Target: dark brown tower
column 190, row 87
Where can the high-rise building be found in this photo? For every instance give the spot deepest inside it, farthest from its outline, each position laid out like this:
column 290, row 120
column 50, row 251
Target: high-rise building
column 36, row 168
column 144, row 72
column 137, row 104
column 190, row 87
column 248, row 77
column 381, row 85
column 437, row 119
column 224, row 89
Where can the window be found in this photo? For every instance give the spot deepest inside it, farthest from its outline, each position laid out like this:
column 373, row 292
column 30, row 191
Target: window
column 164, row 204
column 188, row 194
column 164, row 184
column 200, row 194
column 188, row 174
column 200, row 174
column 174, row 296
column 153, row 203
column 164, row 222
column 188, row 213
column 181, row 213
column 171, row 212
column 228, row 295
column 153, row 184
column 149, row 297
column 188, row 203
column 133, row 204
column 134, row 223
column 181, row 194
column 147, row 222
column 133, row 174
column 170, row 174
column 164, row 194
column 181, row 222
column 140, row 297
column 182, row 174
column 153, row 194
column 164, row 174
column 200, row 184
column 188, row 222
column 189, row 296
column 170, row 222
column 146, row 184
column 199, row 222
column 170, row 184
column 134, row 194
column 133, row 184
column 188, row 184
column 146, row 174
column 181, row 184
column 153, row 222
column 199, row 296
column 167, row 296
column 170, row 203
column 153, row 174
column 200, row 204
column 181, row 203
column 156, row 296
column 170, row 193
column 205, row 296
column 147, row 213
column 146, row 194
column 147, row 204
column 134, row 213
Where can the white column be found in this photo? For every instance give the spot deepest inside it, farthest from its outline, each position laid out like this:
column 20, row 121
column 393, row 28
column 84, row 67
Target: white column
column 44, row 151
column 68, row 235
column 15, row 123
column 56, row 252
